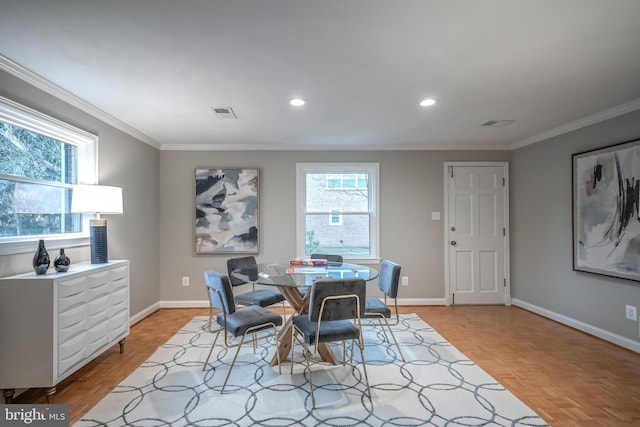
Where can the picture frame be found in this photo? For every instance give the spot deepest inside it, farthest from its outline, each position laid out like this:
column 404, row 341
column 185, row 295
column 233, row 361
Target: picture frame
column 227, row 210
column 606, row 215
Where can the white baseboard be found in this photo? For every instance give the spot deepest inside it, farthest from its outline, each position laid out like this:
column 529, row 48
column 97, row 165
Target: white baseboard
column 581, row 326
column 421, row 301
column 144, row 313
column 185, row 304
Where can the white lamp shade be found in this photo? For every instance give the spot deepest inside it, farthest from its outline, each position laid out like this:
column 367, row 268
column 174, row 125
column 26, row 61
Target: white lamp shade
column 102, row 199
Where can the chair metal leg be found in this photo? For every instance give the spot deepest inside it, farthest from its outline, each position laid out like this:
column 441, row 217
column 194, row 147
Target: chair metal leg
column 275, row 345
column 210, row 313
column 232, row 365
column 388, row 326
column 386, row 338
column 394, row 339
column 254, row 339
column 211, row 350
column 364, row 368
column 293, row 343
column 307, row 353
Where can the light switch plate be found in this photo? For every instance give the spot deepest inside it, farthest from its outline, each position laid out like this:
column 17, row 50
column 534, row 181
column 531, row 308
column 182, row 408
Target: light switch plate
column 435, row 216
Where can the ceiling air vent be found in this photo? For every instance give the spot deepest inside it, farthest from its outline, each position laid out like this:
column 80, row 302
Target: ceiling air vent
column 497, row 123
column 224, row 112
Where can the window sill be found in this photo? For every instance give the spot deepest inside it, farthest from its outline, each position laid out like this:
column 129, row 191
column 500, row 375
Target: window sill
column 30, row 245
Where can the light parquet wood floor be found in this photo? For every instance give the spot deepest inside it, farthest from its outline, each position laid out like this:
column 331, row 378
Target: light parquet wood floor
column 569, row 378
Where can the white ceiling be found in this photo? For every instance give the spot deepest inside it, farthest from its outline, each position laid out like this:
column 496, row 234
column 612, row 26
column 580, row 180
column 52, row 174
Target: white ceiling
column 156, row 67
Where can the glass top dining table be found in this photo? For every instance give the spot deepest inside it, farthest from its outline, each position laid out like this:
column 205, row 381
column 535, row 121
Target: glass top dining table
column 286, row 275
column 290, row 280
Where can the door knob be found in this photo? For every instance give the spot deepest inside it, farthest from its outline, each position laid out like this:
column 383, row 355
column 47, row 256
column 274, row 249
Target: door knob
column 453, row 243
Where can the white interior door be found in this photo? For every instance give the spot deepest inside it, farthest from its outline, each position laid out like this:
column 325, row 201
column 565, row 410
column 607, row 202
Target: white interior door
column 476, row 233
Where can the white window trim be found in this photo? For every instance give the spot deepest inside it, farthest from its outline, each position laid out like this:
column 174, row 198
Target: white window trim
column 373, row 169
column 87, row 143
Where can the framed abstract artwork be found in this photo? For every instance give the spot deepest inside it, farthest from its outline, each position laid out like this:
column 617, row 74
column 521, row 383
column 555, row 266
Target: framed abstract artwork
column 227, row 211
column 606, row 221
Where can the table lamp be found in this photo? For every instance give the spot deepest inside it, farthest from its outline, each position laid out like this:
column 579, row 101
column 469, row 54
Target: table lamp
column 97, row 199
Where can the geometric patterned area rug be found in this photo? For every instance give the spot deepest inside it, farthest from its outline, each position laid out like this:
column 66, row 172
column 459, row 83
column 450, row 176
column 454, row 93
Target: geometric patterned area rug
column 436, row 386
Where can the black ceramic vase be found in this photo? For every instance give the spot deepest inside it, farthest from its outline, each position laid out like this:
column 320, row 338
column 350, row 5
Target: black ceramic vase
column 62, row 262
column 41, row 259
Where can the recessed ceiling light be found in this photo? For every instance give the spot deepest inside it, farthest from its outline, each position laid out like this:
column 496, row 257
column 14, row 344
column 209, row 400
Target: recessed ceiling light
column 297, row 102
column 427, row 102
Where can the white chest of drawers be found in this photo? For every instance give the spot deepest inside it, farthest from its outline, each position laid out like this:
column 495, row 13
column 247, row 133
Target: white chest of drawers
column 51, row 325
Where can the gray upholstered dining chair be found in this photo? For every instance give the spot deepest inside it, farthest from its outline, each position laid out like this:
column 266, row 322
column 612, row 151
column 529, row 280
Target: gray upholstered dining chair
column 335, row 309
column 243, row 322
column 260, row 297
column 328, row 257
column 375, row 308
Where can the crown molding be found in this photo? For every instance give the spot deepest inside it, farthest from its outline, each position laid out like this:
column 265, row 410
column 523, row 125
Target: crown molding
column 285, row 147
column 51, row 88
column 578, row 124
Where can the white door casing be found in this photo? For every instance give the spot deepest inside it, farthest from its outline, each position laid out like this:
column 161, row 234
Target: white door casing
column 476, row 233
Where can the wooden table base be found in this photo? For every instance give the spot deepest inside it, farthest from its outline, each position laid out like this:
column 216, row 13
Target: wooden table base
column 300, row 305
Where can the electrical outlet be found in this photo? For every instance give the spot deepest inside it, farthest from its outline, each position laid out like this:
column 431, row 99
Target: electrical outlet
column 405, row 280
column 632, row 312
column 185, row 281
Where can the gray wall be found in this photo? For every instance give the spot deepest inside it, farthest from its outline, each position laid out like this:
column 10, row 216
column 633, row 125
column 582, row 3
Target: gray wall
column 411, row 188
column 541, row 232
column 123, row 161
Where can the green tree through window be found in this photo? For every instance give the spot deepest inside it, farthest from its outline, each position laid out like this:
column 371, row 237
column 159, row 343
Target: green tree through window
column 39, row 164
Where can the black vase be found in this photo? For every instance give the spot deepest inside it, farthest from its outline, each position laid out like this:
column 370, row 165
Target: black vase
column 41, row 259
column 62, row 262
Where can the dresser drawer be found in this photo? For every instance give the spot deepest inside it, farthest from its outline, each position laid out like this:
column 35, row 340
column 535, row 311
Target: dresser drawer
column 96, row 280
column 119, row 273
column 98, row 305
column 67, row 333
column 99, row 317
column 97, row 291
column 118, row 296
column 71, row 301
column 72, row 317
column 118, row 324
column 70, row 353
column 72, row 287
column 97, row 337
column 117, row 308
column 71, row 293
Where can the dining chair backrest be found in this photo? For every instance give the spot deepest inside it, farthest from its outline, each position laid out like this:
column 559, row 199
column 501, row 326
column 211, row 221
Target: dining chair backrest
column 342, row 307
column 328, row 257
column 247, row 263
column 219, row 290
column 389, row 278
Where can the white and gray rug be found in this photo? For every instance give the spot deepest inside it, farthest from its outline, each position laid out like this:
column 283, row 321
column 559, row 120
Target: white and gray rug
column 436, row 386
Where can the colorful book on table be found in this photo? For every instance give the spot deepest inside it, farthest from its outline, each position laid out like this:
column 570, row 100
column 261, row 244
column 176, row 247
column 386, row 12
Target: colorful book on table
column 307, row 270
column 302, row 262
